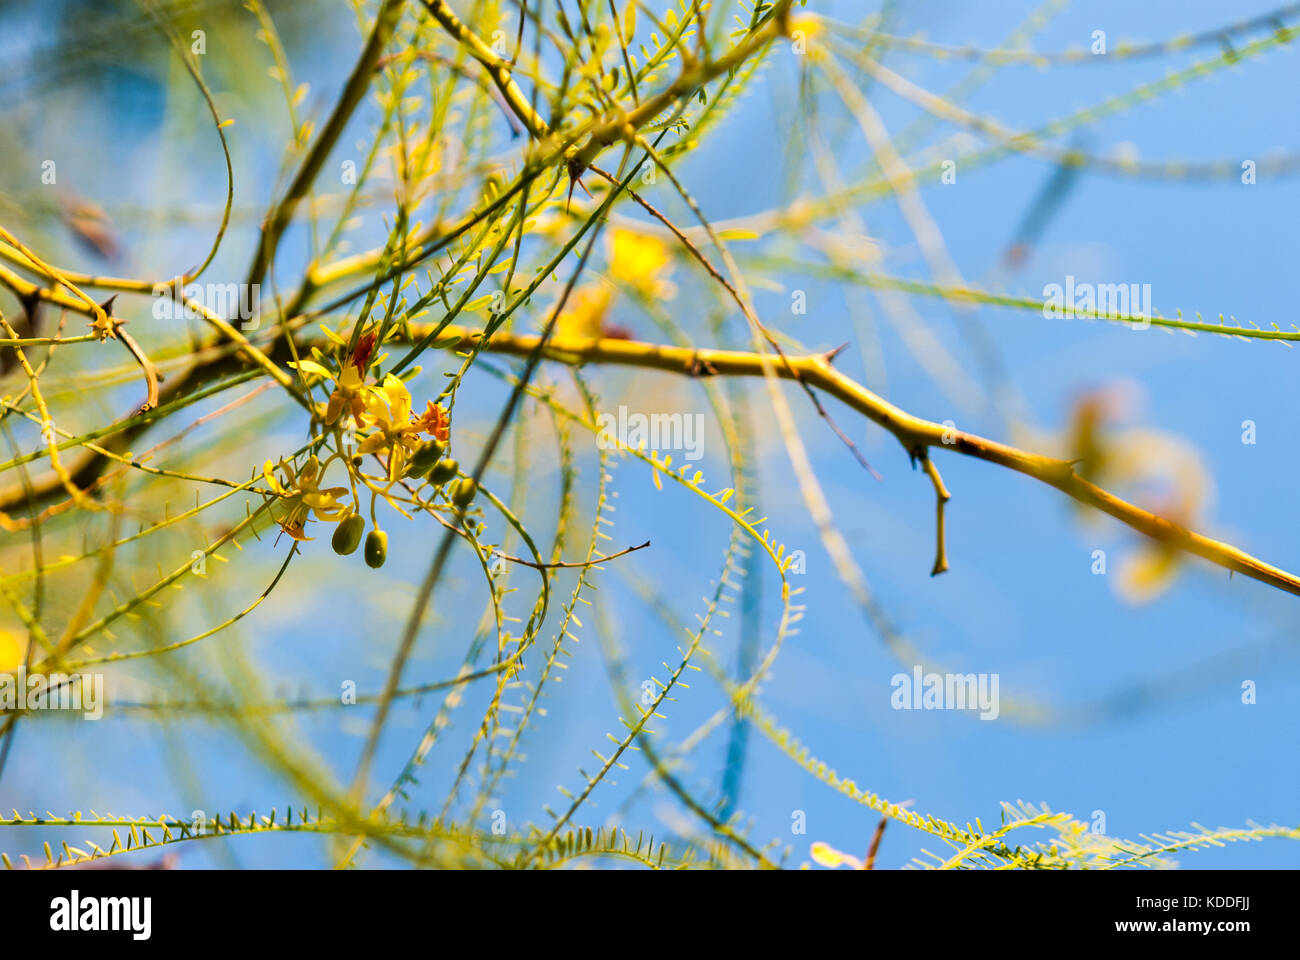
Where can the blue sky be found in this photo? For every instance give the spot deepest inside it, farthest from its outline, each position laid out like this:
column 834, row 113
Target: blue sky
column 1154, row 733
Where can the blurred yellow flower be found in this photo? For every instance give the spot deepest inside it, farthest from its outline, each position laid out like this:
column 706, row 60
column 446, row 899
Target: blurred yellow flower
column 584, row 314
column 827, row 856
column 807, row 24
column 1169, row 476
column 1147, row 572
column 642, row 261
column 637, row 260
column 13, row 651
column 1159, row 471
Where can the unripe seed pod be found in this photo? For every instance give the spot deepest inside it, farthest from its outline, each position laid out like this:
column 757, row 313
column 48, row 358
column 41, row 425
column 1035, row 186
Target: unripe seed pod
column 425, row 457
column 347, row 535
column 463, row 492
column 376, row 548
column 443, row 471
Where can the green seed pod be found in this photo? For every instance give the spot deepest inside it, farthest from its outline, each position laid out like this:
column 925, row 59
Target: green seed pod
column 376, row 548
column 443, row 471
column 425, row 457
column 347, row 535
column 463, row 492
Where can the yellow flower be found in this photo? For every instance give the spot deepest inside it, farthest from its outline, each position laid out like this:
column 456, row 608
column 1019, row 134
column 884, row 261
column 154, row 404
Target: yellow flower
column 303, row 496
column 388, row 407
column 349, row 393
column 349, row 387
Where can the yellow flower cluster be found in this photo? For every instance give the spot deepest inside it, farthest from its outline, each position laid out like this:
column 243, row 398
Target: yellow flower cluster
column 365, row 419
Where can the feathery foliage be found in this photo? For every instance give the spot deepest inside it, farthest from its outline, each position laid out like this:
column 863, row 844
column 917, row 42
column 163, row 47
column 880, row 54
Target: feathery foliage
column 415, row 278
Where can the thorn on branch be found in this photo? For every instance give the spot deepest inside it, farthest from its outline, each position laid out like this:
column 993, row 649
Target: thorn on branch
column 576, row 168
column 579, row 563
column 870, row 862
column 941, row 496
column 699, row 367
column 832, row 354
column 105, row 327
